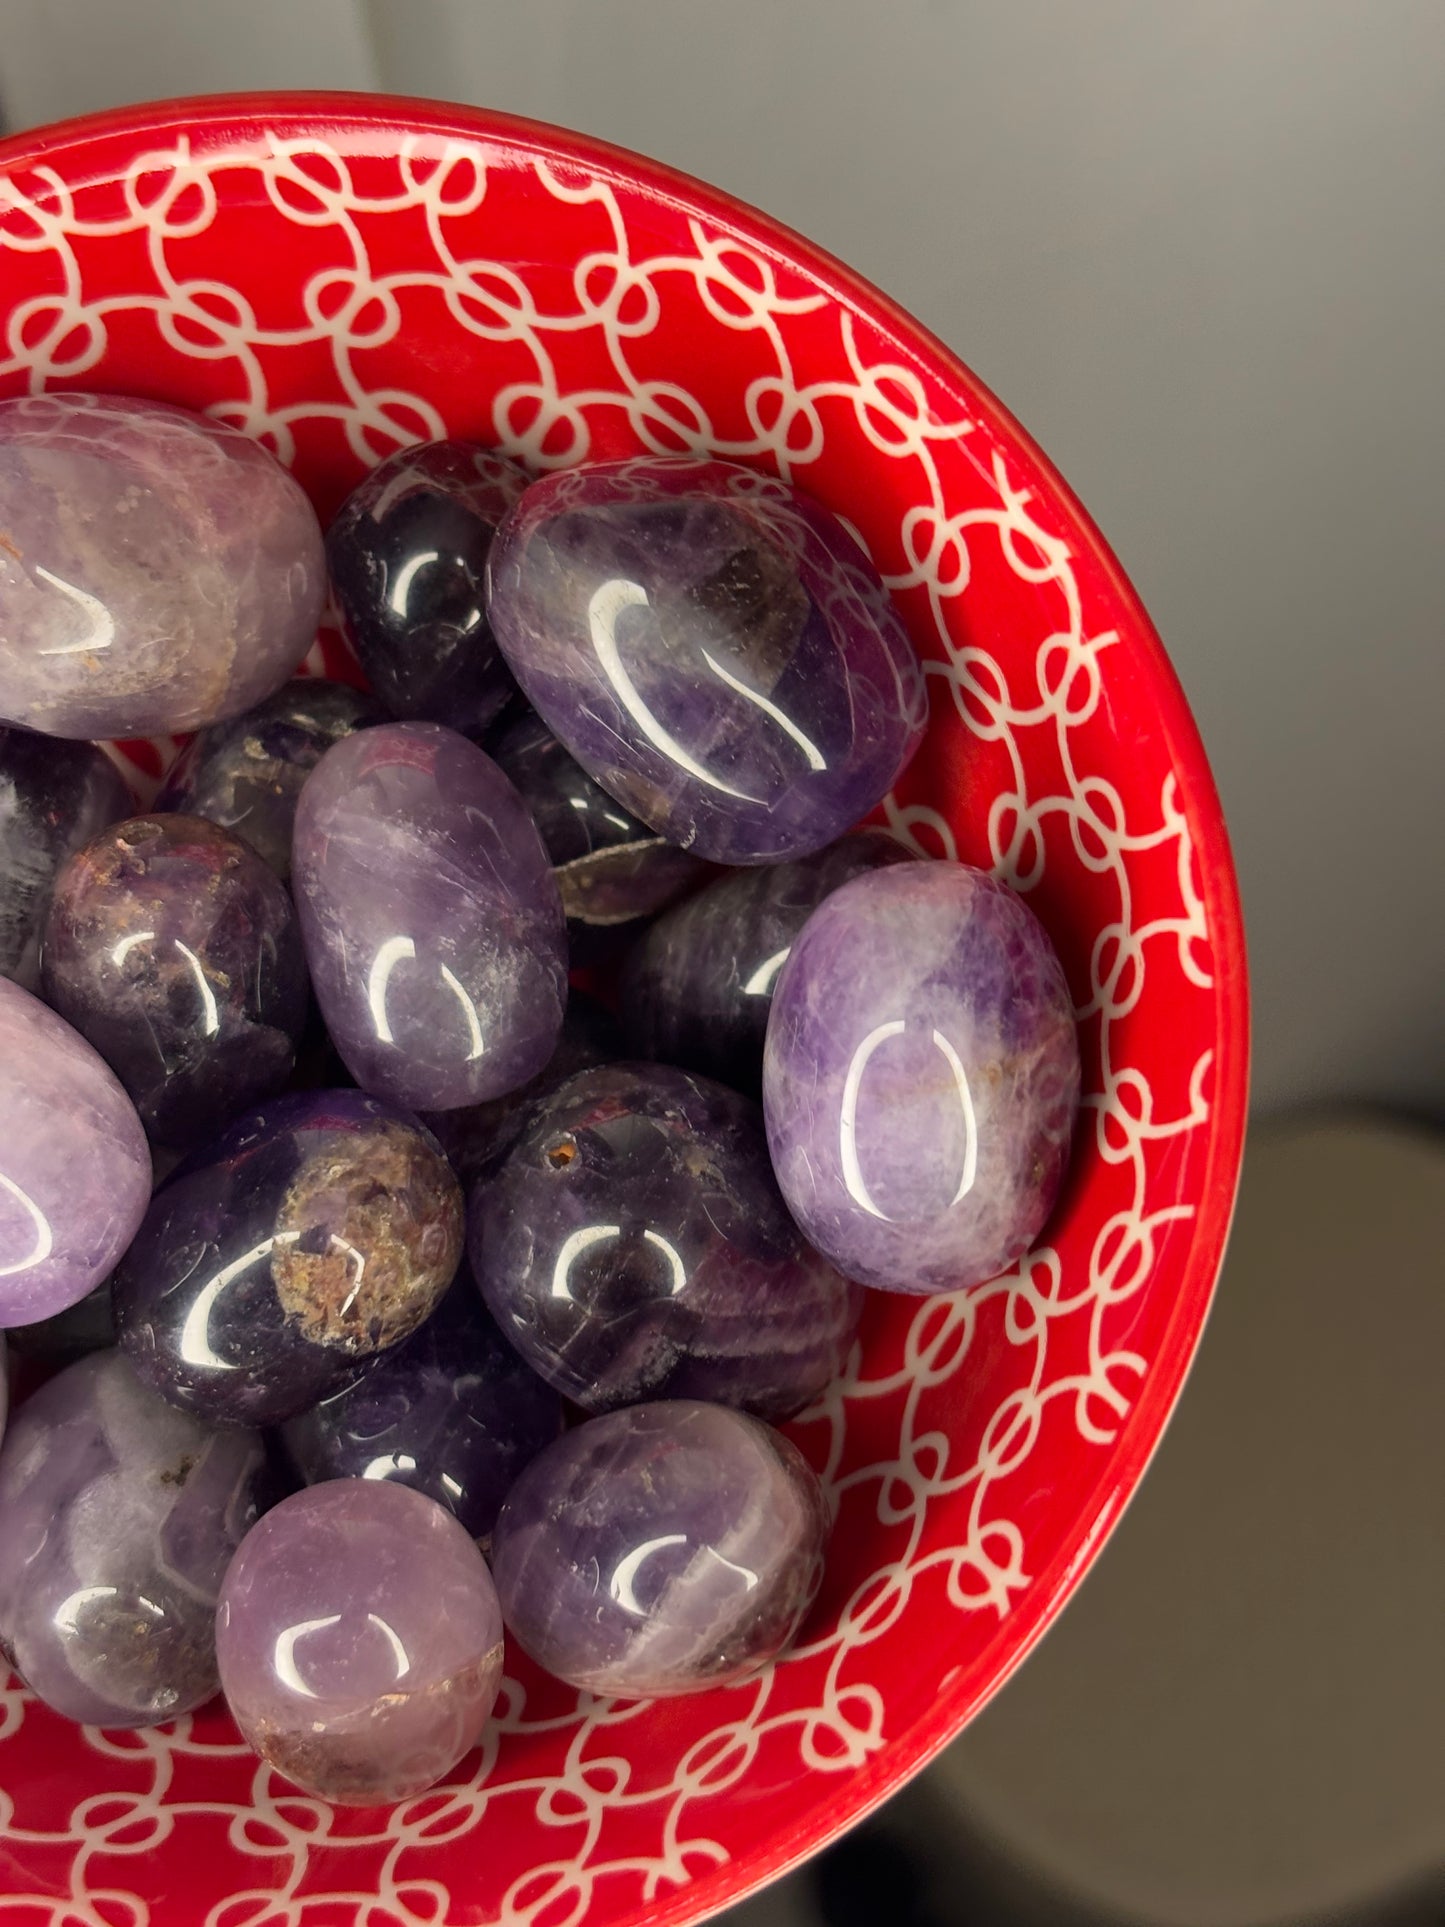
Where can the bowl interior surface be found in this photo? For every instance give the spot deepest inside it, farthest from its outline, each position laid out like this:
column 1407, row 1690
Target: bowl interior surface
column 341, row 275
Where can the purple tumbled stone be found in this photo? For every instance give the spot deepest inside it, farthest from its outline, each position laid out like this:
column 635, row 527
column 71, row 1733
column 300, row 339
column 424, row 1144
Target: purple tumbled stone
column 921, row 1077
column 159, row 571
column 452, row 1412
column 661, row 1550
column 713, row 647
column 76, row 1332
column 360, row 1641
column 118, row 1519
column 75, row 1169
column 4, row 1386
column 54, row 796
column 247, row 774
column 433, row 927
column 697, row 988
column 633, row 1245
column 408, row 558
column 319, row 1230
column 172, row 947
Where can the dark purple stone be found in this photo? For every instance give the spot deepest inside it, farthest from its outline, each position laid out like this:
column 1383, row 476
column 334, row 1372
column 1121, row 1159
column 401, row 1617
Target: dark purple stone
column 713, row 647
column 175, row 951
column 661, row 1550
column 633, row 1245
column 921, row 1077
column 697, row 988
column 318, row 1231
column 247, row 775
column 81, row 1329
column 408, row 558
column 452, row 1412
column 54, row 796
column 433, row 927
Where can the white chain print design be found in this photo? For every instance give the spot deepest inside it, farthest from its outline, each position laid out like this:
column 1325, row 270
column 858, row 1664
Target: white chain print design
column 171, row 195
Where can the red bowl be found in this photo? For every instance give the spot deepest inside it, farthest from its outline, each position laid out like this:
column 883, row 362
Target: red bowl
column 340, row 274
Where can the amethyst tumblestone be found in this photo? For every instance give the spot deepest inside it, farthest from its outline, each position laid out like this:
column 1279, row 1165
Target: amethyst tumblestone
column 661, row 1550
column 173, row 948
column 633, row 1245
column 433, row 927
column 713, row 647
column 921, row 1077
column 159, row 571
column 75, row 1169
column 118, row 1519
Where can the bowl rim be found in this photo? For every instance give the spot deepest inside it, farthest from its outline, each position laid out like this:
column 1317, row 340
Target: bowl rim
column 332, row 113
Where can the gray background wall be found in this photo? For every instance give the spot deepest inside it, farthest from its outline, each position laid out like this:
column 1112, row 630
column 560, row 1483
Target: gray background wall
column 1198, row 248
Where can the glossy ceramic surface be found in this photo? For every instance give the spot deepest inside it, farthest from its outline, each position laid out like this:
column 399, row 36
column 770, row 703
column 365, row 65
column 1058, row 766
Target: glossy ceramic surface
column 341, row 275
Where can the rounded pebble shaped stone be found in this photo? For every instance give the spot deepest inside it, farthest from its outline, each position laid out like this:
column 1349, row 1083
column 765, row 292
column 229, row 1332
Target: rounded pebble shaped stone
column 408, row 556
column 118, row 1519
column 713, row 647
column 75, row 1168
column 54, row 796
column 634, row 1245
column 921, row 1077
column 321, row 1229
column 160, row 571
column 433, row 927
column 452, row 1412
column 360, row 1641
column 247, row 774
column 173, row 948
column 697, row 988
column 661, row 1550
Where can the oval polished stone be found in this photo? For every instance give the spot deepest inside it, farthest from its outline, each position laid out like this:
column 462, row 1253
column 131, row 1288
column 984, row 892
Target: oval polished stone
column 921, row 1077
column 174, row 950
column 408, row 557
column 159, row 571
column 433, row 927
column 54, row 796
column 661, row 1550
column 118, row 1519
column 321, row 1229
column 247, row 774
column 713, row 647
column 633, row 1245
column 75, row 1168
column 697, row 988
column 360, row 1641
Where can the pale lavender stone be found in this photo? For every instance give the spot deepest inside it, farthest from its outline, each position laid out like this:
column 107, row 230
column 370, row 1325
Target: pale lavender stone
column 661, row 1550
column 75, row 1169
column 633, row 1245
column 713, row 647
column 921, row 1077
column 158, row 571
column 360, row 1641
column 118, row 1519
column 432, row 925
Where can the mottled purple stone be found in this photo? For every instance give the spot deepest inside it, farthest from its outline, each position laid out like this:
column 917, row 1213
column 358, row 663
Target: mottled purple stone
column 697, row 988
column 75, row 1169
column 118, row 1519
column 408, row 557
column 713, row 647
column 247, row 774
column 360, row 1641
column 661, row 1550
column 633, row 1245
column 318, row 1231
column 54, row 796
column 433, row 927
column 921, row 1077
column 158, row 571
column 611, row 868
column 452, row 1412
column 173, row 948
